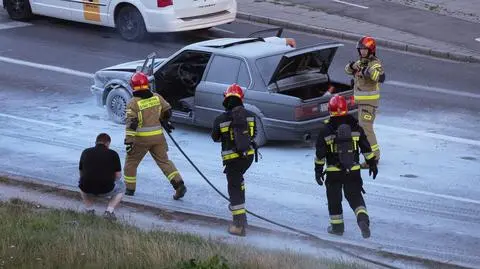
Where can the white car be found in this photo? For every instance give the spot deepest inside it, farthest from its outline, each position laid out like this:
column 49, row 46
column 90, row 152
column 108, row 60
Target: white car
column 132, row 18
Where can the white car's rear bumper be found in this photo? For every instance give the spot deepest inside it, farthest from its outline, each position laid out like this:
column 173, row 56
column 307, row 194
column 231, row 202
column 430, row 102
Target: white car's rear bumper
column 164, row 21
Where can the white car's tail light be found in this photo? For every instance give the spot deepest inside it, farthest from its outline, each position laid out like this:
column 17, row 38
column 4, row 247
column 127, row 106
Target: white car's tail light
column 164, row 3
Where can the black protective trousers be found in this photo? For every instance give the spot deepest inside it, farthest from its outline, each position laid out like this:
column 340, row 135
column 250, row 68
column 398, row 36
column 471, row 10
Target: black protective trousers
column 235, row 169
column 352, row 186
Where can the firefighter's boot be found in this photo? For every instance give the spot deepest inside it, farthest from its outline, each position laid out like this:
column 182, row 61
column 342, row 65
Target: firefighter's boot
column 336, row 229
column 238, row 230
column 364, row 224
column 129, row 192
column 180, row 189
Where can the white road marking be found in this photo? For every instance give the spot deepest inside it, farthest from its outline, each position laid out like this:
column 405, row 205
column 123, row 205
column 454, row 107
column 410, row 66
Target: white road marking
column 223, row 30
column 477, row 39
column 432, row 89
column 13, row 24
column 445, row 196
column 349, row 4
column 8, row 116
column 47, row 67
column 430, row 135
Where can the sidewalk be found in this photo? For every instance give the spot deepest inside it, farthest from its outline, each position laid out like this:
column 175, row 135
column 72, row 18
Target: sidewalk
column 310, row 19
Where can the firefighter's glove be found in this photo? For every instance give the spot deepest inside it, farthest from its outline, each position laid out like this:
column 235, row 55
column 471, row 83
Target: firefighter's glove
column 168, row 126
column 133, row 124
column 372, row 168
column 319, row 174
column 128, row 147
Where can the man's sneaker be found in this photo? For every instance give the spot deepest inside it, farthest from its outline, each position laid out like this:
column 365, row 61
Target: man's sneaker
column 129, row 192
column 180, row 192
column 237, row 230
column 90, row 212
column 109, row 216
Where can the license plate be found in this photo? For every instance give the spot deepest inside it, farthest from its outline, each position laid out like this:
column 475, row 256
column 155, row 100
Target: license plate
column 324, row 107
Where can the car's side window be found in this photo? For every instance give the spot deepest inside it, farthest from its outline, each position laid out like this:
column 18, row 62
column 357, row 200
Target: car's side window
column 223, row 70
column 243, row 76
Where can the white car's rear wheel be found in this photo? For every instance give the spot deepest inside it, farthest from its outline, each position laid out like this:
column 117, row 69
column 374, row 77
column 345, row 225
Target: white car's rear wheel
column 19, row 9
column 116, row 103
column 130, row 24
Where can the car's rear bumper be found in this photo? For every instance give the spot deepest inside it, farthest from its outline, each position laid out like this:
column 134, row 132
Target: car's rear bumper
column 160, row 21
column 294, row 130
column 98, row 95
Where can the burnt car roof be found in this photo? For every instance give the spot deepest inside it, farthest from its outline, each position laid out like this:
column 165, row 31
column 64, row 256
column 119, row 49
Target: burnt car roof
column 243, row 47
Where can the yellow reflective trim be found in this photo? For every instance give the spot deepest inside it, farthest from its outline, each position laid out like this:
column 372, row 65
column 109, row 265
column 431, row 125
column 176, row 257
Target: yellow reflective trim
column 151, row 133
column 235, row 155
column 375, row 147
column 360, row 211
column 355, row 144
column 376, row 66
column 239, row 211
column 172, row 175
column 130, row 179
column 368, row 97
column 336, row 221
column 224, row 129
column 375, row 75
column 140, row 119
column 148, row 103
column 242, row 187
column 251, row 123
column 369, row 156
column 252, row 131
column 336, row 169
column 131, row 133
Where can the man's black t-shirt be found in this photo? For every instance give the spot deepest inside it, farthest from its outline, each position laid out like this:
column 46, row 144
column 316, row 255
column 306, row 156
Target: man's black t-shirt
column 97, row 169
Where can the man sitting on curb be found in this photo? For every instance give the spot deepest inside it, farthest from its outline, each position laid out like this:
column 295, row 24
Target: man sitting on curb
column 100, row 173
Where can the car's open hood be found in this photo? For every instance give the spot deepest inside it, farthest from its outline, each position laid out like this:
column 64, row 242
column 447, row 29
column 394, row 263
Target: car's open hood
column 315, row 58
column 131, row 66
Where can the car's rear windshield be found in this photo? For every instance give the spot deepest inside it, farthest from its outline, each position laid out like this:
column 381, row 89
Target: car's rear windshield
column 267, row 65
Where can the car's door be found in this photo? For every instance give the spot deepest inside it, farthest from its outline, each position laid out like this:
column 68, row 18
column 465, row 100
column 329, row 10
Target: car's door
column 90, row 11
column 223, row 71
column 52, row 8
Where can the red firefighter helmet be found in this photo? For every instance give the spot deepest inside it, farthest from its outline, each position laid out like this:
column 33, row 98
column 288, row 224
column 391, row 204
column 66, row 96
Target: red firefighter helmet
column 337, row 106
column 139, row 81
column 234, row 90
column 367, row 42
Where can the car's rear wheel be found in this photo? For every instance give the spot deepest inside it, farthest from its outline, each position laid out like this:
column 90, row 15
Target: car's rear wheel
column 130, row 24
column 116, row 103
column 260, row 138
column 19, row 9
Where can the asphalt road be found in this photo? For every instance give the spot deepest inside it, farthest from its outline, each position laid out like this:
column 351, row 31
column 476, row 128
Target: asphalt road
column 411, row 20
column 426, row 206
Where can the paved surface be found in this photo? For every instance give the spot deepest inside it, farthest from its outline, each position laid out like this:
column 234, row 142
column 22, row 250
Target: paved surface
column 394, row 25
column 424, row 202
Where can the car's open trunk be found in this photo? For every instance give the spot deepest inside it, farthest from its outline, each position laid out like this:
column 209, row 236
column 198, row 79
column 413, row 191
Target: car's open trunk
column 313, row 91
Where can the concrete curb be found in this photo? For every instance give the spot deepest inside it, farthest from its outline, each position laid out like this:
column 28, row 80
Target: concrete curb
column 396, row 45
column 179, row 215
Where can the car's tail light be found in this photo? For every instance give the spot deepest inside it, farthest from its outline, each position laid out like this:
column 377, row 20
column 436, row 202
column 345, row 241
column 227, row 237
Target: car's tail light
column 306, row 111
column 164, row 3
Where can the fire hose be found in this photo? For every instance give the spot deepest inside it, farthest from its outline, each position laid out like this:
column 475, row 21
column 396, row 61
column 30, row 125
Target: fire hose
column 276, row 223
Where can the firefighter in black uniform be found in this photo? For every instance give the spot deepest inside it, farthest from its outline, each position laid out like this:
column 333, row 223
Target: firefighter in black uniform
column 338, row 146
column 235, row 163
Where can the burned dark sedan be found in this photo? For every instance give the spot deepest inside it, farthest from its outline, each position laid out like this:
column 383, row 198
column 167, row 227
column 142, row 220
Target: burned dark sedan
column 286, row 88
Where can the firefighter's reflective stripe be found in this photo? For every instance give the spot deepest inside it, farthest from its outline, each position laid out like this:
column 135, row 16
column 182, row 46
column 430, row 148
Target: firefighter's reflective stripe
column 238, row 209
column 336, row 219
column 172, row 175
column 367, row 95
column 329, row 141
column 131, row 133
column 360, row 209
column 374, row 73
column 332, row 168
column 140, row 118
column 320, row 162
column 375, row 147
column 148, row 103
column 230, row 154
column 130, row 179
column 149, row 131
column 368, row 155
column 242, row 187
column 356, row 139
column 251, row 125
column 224, row 126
